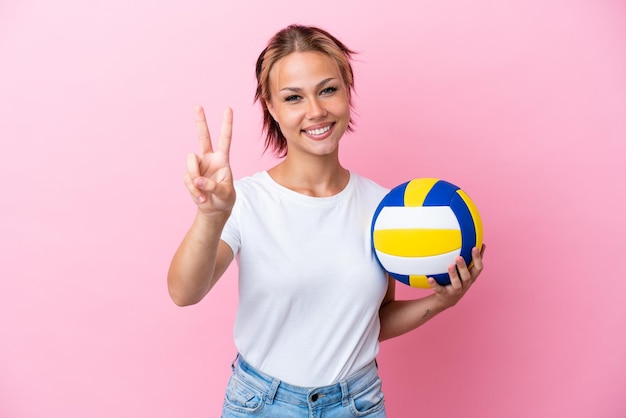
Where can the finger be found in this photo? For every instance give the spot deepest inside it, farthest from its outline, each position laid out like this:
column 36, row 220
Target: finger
column 455, row 281
column 203, row 131
column 477, row 260
column 436, row 287
column 197, row 195
column 226, row 132
column 193, row 166
column 204, row 184
column 463, row 271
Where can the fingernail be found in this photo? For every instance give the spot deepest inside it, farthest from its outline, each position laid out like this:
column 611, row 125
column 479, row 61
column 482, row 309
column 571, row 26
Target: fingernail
column 201, row 182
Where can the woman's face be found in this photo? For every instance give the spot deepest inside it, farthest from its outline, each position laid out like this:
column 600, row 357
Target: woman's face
column 310, row 102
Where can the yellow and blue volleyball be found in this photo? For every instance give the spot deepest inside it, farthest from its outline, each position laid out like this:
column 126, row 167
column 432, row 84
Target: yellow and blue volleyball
column 421, row 227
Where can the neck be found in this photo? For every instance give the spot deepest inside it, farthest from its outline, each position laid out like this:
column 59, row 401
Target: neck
column 314, row 177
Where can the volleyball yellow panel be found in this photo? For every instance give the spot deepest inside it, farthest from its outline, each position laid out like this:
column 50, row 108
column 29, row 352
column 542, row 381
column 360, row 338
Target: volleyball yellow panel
column 478, row 225
column 418, row 281
column 417, row 190
column 417, row 242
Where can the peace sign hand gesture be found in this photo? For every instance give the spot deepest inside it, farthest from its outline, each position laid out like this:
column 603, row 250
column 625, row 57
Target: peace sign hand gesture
column 209, row 178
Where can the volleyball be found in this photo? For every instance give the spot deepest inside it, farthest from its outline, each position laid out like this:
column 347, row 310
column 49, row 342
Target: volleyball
column 421, row 226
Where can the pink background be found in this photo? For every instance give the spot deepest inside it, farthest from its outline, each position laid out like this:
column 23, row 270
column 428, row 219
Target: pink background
column 522, row 103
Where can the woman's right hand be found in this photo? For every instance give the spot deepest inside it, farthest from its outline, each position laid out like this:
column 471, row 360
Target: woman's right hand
column 209, row 178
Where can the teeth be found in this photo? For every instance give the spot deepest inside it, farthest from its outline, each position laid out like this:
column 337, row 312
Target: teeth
column 318, row 131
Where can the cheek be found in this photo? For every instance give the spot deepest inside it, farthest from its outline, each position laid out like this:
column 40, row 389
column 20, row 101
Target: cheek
column 342, row 104
column 289, row 117
column 342, row 109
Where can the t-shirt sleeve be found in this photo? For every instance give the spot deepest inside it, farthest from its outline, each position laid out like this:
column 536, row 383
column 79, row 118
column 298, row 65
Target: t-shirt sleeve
column 231, row 234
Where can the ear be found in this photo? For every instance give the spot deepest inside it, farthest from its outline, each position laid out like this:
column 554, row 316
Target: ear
column 270, row 108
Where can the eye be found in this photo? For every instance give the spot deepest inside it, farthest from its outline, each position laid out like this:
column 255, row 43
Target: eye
column 292, row 98
column 328, row 90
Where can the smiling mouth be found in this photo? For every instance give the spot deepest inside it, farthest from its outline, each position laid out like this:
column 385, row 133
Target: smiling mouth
column 319, row 131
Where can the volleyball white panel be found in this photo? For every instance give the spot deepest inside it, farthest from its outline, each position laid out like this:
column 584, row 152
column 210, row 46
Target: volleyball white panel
column 431, row 265
column 416, row 217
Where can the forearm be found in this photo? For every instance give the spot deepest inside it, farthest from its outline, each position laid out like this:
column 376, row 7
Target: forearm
column 193, row 270
column 398, row 317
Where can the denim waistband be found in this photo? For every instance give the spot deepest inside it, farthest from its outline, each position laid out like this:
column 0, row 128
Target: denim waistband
column 274, row 388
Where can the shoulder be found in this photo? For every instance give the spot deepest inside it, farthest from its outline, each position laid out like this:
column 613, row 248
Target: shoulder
column 255, row 191
column 368, row 186
column 252, row 183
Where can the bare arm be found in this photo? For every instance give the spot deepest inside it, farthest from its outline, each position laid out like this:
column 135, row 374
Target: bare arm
column 398, row 317
column 202, row 257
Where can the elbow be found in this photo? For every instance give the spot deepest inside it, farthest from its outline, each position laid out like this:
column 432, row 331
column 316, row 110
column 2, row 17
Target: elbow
column 179, row 296
column 383, row 337
column 182, row 300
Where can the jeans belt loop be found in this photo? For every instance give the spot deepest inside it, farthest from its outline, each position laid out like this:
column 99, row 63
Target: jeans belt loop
column 344, row 392
column 271, row 394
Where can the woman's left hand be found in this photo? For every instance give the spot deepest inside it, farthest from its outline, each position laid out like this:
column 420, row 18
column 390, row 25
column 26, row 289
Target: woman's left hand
column 461, row 279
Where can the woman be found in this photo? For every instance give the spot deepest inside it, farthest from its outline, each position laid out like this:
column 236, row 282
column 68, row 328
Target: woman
column 313, row 302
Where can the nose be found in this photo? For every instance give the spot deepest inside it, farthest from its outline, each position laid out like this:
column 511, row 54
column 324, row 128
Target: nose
column 315, row 109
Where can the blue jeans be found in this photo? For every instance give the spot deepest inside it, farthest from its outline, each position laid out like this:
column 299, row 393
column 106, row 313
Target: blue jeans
column 253, row 393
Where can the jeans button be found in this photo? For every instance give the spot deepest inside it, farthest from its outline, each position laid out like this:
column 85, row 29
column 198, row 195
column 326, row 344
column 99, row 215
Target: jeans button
column 314, row 397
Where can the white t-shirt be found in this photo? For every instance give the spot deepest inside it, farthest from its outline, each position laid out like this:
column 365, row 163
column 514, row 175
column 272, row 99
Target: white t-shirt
column 309, row 285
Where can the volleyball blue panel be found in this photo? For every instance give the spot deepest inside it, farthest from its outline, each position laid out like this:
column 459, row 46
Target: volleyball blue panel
column 468, row 228
column 443, row 279
column 400, row 277
column 396, row 196
column 440, row 194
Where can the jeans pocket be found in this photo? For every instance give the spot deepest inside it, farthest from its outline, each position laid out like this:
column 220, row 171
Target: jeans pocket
column 368, row 401
column 242, row 397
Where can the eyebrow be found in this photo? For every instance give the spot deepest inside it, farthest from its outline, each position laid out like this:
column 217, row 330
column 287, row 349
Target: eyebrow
column 319, row 85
